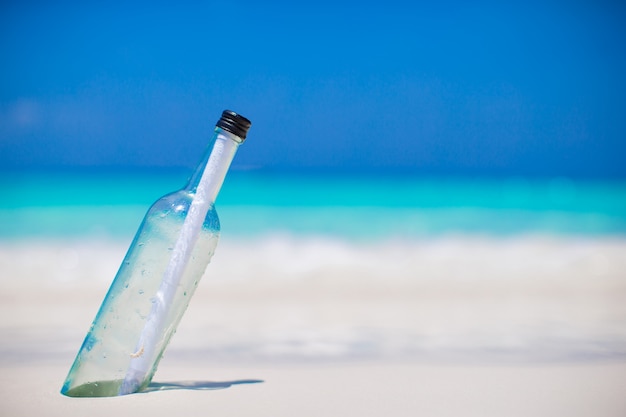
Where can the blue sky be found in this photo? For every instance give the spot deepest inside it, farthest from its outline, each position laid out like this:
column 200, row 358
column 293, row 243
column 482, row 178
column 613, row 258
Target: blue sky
column 526, row 88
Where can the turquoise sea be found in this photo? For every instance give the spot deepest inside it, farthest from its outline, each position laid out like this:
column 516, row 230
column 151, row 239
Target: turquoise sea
column 369, row 206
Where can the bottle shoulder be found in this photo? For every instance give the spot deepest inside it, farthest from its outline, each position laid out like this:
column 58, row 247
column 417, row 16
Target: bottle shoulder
column 177, row 199
column 176, row 205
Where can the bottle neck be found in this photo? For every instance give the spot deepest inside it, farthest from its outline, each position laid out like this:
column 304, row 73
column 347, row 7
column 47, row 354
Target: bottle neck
column 208, row 178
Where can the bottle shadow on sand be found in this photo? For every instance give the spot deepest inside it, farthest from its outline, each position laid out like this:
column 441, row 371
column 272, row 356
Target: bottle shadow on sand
column 197, row 385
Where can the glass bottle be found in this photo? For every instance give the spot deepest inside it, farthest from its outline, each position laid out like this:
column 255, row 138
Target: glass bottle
column 157, row 278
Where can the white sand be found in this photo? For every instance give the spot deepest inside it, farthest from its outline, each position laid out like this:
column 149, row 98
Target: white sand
column 454, row 326
column 341, row 390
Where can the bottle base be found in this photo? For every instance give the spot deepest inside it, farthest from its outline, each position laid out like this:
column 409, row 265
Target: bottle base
column 95, row 389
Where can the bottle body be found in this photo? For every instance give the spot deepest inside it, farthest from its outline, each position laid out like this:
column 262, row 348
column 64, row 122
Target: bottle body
column 157, row 278
column 112, row 342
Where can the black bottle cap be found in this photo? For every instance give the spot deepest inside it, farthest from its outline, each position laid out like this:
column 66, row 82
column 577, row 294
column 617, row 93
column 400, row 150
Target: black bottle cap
column 234, row 123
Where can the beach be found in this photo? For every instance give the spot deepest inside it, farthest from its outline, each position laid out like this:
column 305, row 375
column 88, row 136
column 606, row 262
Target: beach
column 357, row 389
column 422, row 213
column 316, row 325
